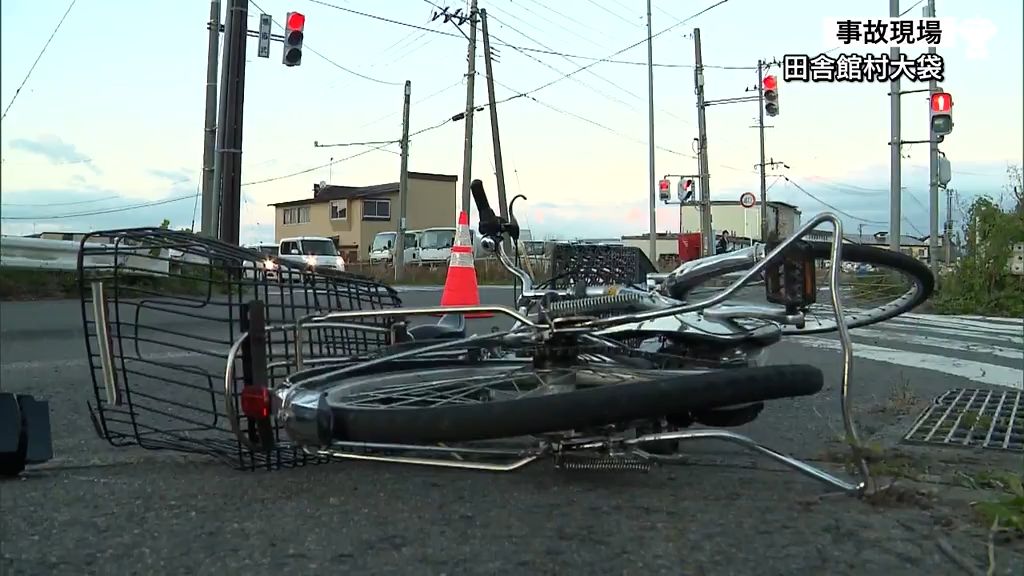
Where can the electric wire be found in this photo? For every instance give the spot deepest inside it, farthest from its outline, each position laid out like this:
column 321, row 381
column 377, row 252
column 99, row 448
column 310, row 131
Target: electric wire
column 39, row 57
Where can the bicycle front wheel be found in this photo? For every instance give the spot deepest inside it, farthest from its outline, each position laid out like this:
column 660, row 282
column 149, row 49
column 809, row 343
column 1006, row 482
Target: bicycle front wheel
column 504, row 399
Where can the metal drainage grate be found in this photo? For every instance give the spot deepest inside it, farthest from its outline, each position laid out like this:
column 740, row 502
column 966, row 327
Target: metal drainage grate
column 973, row 418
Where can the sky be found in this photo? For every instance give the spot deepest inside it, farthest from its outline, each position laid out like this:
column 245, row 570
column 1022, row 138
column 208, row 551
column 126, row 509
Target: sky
column 107, row 132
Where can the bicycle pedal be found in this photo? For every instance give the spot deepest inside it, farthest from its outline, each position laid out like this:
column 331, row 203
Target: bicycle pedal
column 602, row 463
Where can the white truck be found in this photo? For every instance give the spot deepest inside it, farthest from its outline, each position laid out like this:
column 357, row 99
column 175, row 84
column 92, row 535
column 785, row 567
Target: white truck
column 383, row 247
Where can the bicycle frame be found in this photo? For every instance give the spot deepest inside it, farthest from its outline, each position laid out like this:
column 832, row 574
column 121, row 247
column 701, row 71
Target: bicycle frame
column 292, row 401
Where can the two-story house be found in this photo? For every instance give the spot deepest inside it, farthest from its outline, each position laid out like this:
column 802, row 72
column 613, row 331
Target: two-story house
column 353, row 215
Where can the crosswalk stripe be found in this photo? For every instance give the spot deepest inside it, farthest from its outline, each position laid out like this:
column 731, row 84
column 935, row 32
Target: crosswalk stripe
column 979, row 372
column 961, row 325
column 973, row 321
column 952, row 332
column 946, row 343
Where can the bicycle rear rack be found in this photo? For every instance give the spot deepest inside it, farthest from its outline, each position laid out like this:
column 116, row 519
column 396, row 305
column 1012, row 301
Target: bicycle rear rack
column 161, row 310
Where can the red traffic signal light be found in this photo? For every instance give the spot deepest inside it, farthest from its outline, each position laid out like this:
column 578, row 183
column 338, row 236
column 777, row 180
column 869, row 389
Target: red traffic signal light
column 296, row 21
column 770, row 87
column 663, row 185
column 942, row 103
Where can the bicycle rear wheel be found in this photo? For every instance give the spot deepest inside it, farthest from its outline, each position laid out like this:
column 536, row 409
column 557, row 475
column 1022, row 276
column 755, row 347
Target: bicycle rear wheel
column 876, row 285
column 505, row 399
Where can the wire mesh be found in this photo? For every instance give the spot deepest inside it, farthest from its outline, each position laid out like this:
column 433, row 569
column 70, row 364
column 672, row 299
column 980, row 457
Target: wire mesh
column 173, row 304
column 595, row 264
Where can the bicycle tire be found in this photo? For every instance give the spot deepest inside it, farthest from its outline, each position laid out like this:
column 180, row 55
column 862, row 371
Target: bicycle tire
column 923, row 279
column 667, row 393
column 922, row 276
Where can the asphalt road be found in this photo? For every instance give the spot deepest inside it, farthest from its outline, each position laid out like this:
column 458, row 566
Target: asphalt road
column 96, row 509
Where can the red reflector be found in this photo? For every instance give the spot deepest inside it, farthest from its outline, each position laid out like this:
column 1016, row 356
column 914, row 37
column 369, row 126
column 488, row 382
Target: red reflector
column 256, row 402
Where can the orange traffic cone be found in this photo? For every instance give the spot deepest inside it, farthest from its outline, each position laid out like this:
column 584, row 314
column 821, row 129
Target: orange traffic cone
column 460, row 286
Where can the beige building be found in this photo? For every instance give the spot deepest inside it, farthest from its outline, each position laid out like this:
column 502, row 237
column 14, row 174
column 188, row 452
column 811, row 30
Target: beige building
column 353, row 215
column 744, row 222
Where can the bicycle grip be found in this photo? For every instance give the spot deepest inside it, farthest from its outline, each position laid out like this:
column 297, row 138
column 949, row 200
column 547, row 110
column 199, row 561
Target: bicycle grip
column 480, row 198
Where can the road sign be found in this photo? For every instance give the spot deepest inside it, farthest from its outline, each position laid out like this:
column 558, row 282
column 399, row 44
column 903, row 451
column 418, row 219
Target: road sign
column 747, row 199
column 264, row 47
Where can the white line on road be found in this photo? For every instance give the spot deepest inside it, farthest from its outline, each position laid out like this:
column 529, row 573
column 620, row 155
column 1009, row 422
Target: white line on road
column 950, row 332
column 966, row 324
column 975, row 371
column 1014, row 353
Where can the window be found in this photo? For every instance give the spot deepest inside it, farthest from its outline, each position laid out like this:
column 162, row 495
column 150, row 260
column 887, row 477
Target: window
column 287, row 247
column 437, row 239
column 339, row 209
column 295, row 215
column 376, row 209
column 383, row 241
column 323, row 247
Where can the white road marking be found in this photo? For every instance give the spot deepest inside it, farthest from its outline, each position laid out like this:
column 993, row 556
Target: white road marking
column 987, row 328
column 980, row 372
column 1013, row 353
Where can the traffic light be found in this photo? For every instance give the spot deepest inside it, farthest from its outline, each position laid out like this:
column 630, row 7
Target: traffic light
column 663, row 190
column 294, row 22
column 770, row 85
column 941, row 113
column 685, row 191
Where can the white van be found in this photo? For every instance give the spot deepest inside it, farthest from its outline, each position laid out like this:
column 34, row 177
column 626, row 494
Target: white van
column 312, row 252
column 383, row 246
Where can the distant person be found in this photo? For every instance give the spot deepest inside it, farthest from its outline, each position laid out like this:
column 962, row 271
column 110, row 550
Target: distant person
column 722, row 246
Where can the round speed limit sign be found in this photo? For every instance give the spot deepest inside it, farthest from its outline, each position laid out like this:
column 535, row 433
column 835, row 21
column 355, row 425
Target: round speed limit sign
column 747, row 199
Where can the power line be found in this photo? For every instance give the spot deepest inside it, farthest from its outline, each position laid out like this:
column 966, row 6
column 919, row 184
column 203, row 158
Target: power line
column 41, row 52
column 915, row 5
column 328, row 60
column 61, row 203
column 353, row 156
column 823, row 203
column 605, row 60
column 98, row 212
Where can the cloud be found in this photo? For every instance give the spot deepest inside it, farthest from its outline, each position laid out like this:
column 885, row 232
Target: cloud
column 174, row 176
column 52, row 148
column 73, row 210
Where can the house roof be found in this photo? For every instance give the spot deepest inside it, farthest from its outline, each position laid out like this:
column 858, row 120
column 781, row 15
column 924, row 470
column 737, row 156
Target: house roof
column 878, row 239
column 331, row 192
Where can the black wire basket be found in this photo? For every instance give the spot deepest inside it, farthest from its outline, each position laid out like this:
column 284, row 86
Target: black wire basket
column 595, row 264
column 161, row 311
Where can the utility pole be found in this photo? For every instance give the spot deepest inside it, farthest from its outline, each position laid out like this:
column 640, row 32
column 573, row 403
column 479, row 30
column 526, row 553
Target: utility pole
column 895, row 168
column 948, row 236
column 467, row 152
column 760, row 129
column 231, row 129
column 707, row 242
column 403, row 188
column 650, row 116
column 207, row 223
column 933, row 173
column 499, row 167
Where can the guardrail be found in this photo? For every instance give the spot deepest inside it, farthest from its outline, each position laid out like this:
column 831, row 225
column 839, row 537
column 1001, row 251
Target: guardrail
column 17, row 252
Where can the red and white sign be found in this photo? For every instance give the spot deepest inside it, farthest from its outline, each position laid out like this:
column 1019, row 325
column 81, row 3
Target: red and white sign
column 942, row 103
column 747, row 199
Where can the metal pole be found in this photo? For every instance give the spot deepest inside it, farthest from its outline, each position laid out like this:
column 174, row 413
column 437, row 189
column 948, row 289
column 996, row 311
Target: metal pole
column 467, row 151
column 947, row 240
column 210, row 129
column 222, row 132
column 707, row 242
column 760, row 129
column 894, row 144
column 499, row 167
column 403, row 188
column 230, row 214
column 933, row 173
column 650, row 120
